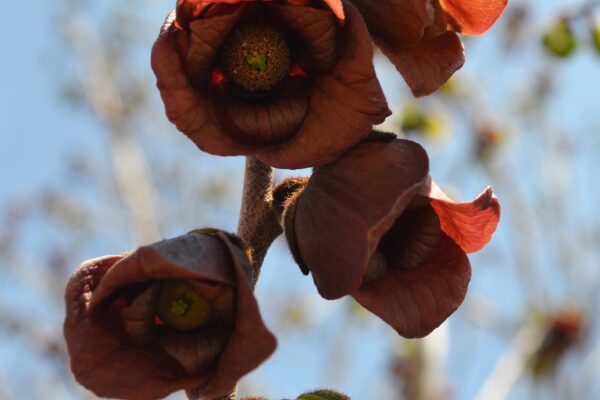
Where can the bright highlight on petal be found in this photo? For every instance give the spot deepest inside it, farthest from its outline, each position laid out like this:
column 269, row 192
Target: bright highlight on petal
column 473, row 17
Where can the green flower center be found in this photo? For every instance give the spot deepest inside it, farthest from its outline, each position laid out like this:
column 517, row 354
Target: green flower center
column 255, row 57
column 258, row 62
column 181, row 307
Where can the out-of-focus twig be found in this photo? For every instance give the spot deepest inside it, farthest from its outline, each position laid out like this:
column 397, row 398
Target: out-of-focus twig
column 511, row 364
column 103, row 95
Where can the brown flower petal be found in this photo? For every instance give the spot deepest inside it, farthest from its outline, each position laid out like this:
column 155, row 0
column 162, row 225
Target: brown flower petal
column 104, row 357
column 318, row 28
column 395, row 23
column 416, row 301
column 101, row 358
column 195, row 352
column 186, row 107
column 344, row 104
column 138, row 317
column 412, row 238
column 188, row 10
column 428, row 64
column 206, row 36
column 293, row 131
column 470, row 224
column 387, row 176
column 473, row 17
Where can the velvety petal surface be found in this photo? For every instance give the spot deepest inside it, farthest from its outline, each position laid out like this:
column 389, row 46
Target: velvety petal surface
column 396, row 22
column 206, row 36
column 338, row 111
column 473, row 17
column 349, row 204
column 104, row 357
column 415, row 301
column 428, row 64
column 470, row 224
column 317, row 28
column 344, row 104
column 186, row 107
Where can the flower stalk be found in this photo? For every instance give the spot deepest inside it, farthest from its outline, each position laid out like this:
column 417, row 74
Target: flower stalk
column 258, row 225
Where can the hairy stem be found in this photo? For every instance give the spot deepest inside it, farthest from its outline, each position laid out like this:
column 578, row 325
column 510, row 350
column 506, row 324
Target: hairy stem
column 258, row 225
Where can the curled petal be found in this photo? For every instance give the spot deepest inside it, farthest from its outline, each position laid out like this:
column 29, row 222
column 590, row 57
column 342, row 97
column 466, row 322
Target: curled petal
column 415, row 301
column 428, row 64
column 396, row 22
column 187, row 108
column 191, row 256
column 473, row 17
column 317, row 28
column 337, row 7
column 101, row 359
column 105, row 359
column 189, row 10
column 357, row 199
column 412, row 238
column 344, row 105
column 470, row 224
column 206, row 36
column 195, row 352
column 138, row 317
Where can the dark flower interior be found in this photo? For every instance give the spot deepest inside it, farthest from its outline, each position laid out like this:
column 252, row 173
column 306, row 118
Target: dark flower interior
column 269, row 114
column 189, row 320
column 412, row 238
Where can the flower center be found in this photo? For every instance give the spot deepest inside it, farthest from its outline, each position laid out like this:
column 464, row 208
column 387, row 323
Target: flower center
column 255, row 57
column 181, row 307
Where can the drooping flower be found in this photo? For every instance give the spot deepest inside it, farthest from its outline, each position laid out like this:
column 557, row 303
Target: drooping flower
column 419, row 36
column 177, row 314
column 291, row 82
column 375, row 226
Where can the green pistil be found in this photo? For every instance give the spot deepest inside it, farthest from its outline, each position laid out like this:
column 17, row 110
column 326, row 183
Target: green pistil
column 255, row 57
column 181, row 306
column 257, row 61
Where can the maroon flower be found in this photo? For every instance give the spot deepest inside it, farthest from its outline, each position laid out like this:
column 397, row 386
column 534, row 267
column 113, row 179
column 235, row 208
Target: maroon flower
column 419, row 36
column 291, row 82
column 177, row 314
column 373, row 225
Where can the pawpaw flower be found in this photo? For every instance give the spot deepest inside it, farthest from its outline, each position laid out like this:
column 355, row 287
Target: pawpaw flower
column 291, row 82
column 177, row 314
column 375, row 226
column 420, row 36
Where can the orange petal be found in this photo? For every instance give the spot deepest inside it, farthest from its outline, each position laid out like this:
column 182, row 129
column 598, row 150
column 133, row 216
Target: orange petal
column 337, row 8
column 470, row 224
column 415, row 301
column 428, row 64
column 473, row 17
